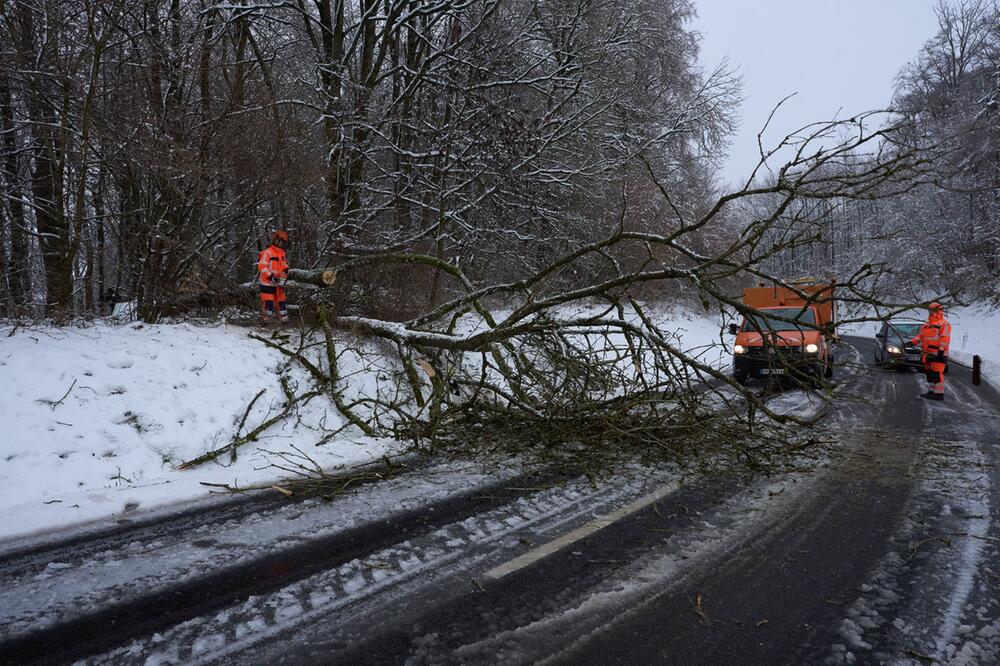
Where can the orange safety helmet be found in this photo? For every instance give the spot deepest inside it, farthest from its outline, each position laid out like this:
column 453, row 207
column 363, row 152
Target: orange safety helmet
column 935, row 306
column 280, row 234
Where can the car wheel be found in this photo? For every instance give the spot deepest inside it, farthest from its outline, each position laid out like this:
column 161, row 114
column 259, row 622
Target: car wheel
column 741, row 377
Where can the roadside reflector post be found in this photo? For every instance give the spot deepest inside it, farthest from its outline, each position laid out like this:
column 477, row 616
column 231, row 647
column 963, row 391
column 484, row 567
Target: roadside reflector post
column 977, row 370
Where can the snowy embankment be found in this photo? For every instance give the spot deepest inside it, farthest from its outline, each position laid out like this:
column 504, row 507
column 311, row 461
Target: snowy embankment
column 976, row 331
column 99, row 417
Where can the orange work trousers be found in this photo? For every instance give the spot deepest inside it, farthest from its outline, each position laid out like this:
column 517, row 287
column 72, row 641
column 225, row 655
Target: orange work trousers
column 272, row 297
column 934, row 371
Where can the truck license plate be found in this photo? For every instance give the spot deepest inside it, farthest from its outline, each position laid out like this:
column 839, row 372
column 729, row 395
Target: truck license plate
column 772, row 371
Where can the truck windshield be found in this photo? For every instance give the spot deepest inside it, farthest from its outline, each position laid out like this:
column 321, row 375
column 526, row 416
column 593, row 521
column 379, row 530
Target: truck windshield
column 765, row 322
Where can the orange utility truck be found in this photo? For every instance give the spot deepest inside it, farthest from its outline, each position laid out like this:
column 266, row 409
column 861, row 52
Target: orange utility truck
column 792, row 335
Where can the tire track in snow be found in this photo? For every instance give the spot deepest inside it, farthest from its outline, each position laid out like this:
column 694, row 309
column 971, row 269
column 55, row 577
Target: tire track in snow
column 446, row 551
column 75, row 626
column 914, row 604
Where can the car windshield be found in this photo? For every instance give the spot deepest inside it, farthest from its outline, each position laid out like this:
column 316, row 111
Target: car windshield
column 767, row 322
column 906, row 331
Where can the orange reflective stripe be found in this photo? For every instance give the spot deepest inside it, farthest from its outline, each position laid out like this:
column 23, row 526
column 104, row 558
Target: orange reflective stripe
column 264, row 262
column 945, row 338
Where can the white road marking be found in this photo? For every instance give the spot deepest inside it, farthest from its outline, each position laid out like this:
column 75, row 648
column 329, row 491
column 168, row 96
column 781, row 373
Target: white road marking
column 558, row 544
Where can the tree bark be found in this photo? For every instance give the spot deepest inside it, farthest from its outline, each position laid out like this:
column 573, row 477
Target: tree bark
column 19, row 261
column 46, row 181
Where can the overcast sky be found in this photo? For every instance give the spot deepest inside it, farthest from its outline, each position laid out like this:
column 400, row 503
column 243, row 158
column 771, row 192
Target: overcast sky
column 839, row 56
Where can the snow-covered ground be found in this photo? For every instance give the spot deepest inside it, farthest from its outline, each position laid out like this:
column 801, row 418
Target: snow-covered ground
column 98, row 417
column 976, row 331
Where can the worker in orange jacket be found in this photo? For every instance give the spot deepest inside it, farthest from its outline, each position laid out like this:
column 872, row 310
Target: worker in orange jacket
column 272, row 265
column 935, row 339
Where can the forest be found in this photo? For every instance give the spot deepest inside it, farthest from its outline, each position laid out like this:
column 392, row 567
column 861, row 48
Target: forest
column 429, row 149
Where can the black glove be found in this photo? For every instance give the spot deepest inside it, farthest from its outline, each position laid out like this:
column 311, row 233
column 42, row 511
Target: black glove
column 275, row 280
column 941, row 358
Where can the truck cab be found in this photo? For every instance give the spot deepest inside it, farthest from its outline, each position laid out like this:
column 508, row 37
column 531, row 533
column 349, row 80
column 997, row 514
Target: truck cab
column 788, row 335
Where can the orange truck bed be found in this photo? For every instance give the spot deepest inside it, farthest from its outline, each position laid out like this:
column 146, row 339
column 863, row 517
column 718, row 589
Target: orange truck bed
column 820, row 296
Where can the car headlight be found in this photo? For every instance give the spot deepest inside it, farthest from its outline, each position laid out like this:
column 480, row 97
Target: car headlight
column 893, row 349
column 812, row 348
column 739, row 349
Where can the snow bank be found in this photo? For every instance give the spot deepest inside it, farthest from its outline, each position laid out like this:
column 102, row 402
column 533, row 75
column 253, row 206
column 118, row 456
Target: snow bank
column 976, row 331
column 699, row 335
column 97, row 418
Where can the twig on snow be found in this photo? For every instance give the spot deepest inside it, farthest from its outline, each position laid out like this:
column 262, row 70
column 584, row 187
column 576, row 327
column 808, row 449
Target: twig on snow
column 55, row 403
column 915, row 547
column 700, row 612
column 927, row 659
column 239, row 428
column 290, row 401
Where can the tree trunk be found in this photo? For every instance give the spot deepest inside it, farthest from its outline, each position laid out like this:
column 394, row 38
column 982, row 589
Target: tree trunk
column 18, row 269
column 46, row 181
column 331, row 69
column 100, row 247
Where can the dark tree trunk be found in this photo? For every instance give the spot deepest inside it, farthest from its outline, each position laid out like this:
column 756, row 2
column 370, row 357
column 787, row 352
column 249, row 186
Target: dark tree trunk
column 46, row 181
column 100, row 246
column 18, row 268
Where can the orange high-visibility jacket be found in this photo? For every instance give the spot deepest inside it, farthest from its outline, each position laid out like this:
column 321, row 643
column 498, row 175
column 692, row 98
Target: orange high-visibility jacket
column 271, row 263
column 934, row 336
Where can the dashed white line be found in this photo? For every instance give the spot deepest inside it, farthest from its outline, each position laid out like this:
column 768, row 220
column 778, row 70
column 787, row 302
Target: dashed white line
column 558, row 544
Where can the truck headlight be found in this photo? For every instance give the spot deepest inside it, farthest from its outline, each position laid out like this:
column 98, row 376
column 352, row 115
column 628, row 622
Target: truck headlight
column 812, row 348
column 739, row 349
column 893, row 349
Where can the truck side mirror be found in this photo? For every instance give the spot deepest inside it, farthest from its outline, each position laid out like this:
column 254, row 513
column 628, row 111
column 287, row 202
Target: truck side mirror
column 733, row 329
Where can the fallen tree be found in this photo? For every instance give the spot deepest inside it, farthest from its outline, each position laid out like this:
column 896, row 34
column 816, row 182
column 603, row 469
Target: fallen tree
column 532, row 364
